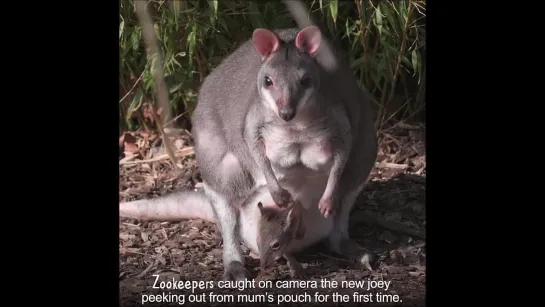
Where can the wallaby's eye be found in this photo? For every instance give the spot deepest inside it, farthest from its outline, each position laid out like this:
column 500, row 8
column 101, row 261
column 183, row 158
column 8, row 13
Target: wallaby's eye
column 268, row 81
column 306, row 81
column 275, row 245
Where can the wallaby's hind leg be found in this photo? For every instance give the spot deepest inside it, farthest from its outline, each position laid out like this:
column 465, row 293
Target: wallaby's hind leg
column 227, row 220
column 339, row 239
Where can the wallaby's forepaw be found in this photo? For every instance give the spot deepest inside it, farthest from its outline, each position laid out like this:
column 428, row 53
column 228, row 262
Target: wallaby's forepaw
column 235, row 271
column 282, row 197
column 328, row 206
column 353, row 251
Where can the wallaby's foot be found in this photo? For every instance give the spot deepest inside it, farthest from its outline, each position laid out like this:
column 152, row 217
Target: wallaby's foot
column 281, row 197
column 355, row 252
column 235, row 271
column 328, row 206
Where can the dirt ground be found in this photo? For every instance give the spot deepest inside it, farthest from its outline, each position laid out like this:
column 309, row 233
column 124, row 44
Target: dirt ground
column 389, row 218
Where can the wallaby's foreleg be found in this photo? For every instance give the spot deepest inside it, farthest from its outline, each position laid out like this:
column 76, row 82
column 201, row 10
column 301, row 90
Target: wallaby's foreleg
column 298, row 270
column 339, row 240
column 227, row 220
column 341, row 145
column 330, row 201
column 257, row 148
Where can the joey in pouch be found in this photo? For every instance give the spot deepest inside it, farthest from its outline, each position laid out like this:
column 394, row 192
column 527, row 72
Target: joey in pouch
column 278, row 229
column 270, row 115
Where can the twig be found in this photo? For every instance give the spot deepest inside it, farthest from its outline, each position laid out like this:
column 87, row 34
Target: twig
column 131, row 225
column 127, row 159
column 391, row 165
column 188, row 151
column 173, row 120
column 144, row 272
column 132, row 88
column 148, row 33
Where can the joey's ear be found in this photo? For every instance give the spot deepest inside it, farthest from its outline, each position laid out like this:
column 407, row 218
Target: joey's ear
column 309, row 39
column 294, row 210
column 260, row 206
column 265, row 42
column 295, row 223
column 294, row 214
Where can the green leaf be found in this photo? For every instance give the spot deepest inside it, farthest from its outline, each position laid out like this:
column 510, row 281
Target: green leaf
column 378, row 19
column 223, row 43
column 214, row 5
column 175, row 88
column 121, row 26
column 357, row 63
column 136, row 102
column 255, row 16
column 192, row 42
column 414, row 58
column 334, row 9
column 176, row 8
column 135, row 39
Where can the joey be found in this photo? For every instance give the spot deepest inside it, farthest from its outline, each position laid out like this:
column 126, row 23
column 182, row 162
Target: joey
column 278, row 229
column 268, row 230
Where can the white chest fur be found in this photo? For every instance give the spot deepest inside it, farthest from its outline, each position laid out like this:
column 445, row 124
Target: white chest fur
column 301, row 160
column 291, row 148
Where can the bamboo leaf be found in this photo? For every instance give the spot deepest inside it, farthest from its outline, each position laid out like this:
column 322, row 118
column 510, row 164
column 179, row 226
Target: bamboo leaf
column 414, row 59
column 136, row 103
column 334, row 9
column 176, row 10
column 121, row 28
column 214, row 5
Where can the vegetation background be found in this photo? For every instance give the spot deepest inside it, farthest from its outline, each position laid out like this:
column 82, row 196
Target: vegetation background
column 385, row 40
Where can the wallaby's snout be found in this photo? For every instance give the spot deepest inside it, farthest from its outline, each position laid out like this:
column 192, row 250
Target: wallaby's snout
column 287, row 113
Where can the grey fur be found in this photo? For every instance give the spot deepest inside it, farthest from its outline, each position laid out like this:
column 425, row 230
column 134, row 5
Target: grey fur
column 232, row 119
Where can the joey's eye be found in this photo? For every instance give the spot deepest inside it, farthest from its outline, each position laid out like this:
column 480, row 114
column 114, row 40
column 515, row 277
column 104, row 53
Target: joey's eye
column 306, row 81
column 275, row 245
column 268, row 81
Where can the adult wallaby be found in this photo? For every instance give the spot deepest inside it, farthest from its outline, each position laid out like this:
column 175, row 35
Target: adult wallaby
column 270, row 115
column 266, row 229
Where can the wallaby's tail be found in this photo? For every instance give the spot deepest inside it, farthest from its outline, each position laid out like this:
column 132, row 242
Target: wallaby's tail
column 177, row 206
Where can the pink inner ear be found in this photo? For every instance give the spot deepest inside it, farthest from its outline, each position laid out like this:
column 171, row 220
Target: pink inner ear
column 309, row 39
column 265, row 41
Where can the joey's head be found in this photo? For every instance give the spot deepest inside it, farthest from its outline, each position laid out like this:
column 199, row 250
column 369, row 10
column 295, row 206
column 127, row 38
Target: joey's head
column 289, row 76
column 278, row 228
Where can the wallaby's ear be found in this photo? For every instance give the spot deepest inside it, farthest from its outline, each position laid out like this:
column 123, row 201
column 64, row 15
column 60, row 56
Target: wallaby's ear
column 265, row 42
column 309, row 39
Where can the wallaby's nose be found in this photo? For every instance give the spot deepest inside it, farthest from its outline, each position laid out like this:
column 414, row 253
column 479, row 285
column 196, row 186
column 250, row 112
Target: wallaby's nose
column 287, row 114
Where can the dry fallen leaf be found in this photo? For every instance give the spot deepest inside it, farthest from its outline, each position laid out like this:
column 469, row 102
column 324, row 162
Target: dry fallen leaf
column 130, row 148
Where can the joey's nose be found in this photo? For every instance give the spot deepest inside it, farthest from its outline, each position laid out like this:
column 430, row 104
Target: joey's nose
column 287, row 114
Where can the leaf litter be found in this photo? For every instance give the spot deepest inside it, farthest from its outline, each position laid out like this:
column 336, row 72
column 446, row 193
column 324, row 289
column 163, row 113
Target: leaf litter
column 389, row 218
